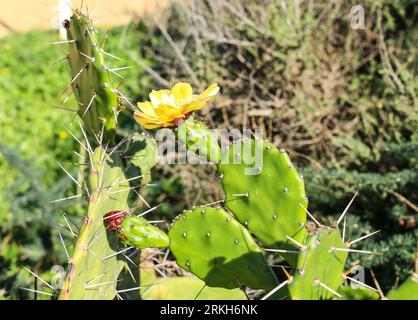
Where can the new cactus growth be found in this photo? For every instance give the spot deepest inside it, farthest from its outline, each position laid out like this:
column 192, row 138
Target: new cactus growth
column 139, row 233
column 216, row 248
column 198, row 138
column 90, row 78
column 94, row 267
column 270, row 200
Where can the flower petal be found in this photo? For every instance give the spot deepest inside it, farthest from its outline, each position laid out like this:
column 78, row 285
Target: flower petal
column 156, row 97
column 147, row 108
column 181, row 92
column 202, row 99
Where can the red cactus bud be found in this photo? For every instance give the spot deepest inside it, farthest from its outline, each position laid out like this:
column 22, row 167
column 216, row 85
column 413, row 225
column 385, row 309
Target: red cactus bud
column 113, row 219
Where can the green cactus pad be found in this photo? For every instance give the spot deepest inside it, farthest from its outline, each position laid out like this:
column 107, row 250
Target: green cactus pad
column 138, row 232
column 91, row 83
column 408, row 290
column 94, row 267
column 198, row 138
column 266, row 198
column 319, row 262
column 216, row 248
column 349, row 293
column 188, row 288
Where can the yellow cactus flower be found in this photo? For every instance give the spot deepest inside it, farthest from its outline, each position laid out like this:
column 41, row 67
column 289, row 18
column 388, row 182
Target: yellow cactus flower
column 169, row 107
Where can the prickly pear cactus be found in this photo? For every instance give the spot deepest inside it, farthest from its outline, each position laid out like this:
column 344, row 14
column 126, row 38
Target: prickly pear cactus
column 320, row 266
column 139, row 233
column 216, row 248
column 91, row 83
column 268, row 199
column 95, row 266
column 188, row 288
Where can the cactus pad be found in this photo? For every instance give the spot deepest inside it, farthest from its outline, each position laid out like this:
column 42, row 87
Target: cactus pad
column 216, row 248
column 268, row 199
column 408, row 290
column 95, row 266
column 138, row 232
column 319, row 264
column 188, row 288
column 198, row 138
column 97, row 102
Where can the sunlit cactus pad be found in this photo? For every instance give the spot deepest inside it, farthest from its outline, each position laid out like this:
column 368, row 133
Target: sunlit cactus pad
column 269, row 200
column 188, row 288
column 320, row 266
column 216, row 248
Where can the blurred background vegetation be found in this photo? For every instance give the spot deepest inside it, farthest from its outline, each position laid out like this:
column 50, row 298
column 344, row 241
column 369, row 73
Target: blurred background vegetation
column 342, row 101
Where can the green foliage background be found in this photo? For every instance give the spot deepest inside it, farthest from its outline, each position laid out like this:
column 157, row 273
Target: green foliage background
column 324, row 91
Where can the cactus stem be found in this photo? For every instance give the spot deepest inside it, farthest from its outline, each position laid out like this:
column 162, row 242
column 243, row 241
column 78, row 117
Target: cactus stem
column 361, row 283
column 346, row 208
column 317, row 282
column 311, row 216
column 301, row 246
column 362, row 238
column 275, row 289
